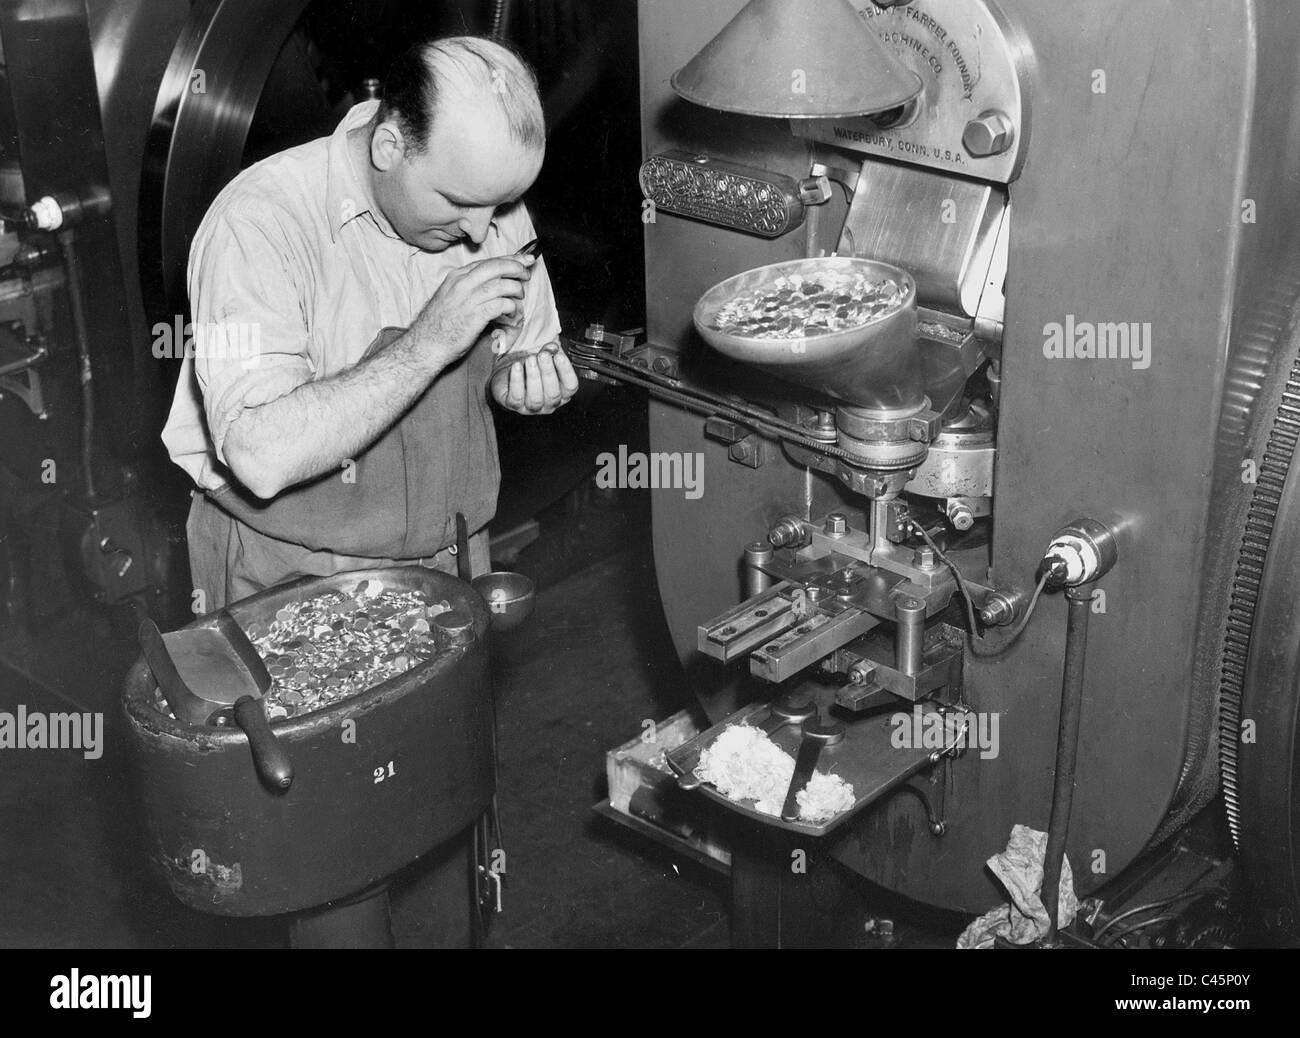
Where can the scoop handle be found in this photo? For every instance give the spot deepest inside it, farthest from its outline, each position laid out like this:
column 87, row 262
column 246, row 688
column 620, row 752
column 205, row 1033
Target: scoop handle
column 272, row 762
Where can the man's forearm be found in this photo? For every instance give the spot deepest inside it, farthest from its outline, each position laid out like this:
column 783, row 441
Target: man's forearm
column 318, row 426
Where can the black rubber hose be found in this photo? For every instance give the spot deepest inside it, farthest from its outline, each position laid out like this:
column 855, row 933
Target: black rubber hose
column 1079, row 603
column 72, row 269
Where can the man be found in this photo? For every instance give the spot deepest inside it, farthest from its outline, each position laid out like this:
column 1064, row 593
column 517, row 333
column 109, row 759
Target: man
column 370, row 279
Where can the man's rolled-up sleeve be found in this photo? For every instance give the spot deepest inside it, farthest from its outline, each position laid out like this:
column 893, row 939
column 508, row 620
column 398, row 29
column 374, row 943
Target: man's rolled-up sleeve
column 251, row 338
column 541, row 318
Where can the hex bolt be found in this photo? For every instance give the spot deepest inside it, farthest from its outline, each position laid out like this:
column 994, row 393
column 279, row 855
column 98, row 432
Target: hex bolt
column 989, row 133
column 960, row 515
column 860, row 673
column 925, row 557
column 837, row 524
column 998, row 610
column 788, row 533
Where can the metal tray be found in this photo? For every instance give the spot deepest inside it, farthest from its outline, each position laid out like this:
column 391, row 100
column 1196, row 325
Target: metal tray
column 866, row 758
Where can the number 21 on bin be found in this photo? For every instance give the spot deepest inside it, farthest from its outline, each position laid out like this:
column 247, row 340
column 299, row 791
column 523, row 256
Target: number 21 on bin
column 386, row 771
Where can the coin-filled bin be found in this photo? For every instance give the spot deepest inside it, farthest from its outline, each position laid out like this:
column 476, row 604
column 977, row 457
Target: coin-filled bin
column 381, row 699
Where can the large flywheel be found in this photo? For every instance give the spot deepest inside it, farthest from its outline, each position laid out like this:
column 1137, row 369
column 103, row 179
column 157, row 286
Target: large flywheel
column 1259, row 704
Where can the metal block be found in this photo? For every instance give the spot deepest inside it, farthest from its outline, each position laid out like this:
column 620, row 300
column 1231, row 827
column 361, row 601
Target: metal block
column 753, row 622
column 803, row 645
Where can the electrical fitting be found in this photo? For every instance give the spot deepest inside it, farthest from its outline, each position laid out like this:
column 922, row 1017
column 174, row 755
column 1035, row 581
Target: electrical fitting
column 1081, row 552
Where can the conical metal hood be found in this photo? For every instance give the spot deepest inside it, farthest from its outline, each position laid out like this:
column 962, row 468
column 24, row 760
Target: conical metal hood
column 797, row 59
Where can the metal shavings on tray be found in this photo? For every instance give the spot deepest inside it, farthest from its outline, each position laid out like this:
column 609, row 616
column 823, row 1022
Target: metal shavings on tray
column 798, row 306
column 338, row 644
column 743, row 763
column 824, row 797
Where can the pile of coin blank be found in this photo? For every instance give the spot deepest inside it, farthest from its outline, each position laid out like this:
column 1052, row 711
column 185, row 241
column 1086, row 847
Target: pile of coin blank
column 799, row 307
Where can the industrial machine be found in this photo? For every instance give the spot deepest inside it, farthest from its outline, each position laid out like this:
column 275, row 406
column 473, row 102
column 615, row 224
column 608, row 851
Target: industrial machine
column 1055, row 488
column 1091, row 411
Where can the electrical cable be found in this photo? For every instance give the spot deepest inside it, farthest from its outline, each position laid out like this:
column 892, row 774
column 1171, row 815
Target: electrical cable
column 72, row 271
column 1014, row 635
column 1139, row 926
column 1155, row 905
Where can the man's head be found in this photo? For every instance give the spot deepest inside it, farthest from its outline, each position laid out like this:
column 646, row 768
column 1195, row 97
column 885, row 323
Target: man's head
column 459, row 134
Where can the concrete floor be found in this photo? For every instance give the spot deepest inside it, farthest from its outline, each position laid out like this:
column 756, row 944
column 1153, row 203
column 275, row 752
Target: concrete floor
column 594, row 662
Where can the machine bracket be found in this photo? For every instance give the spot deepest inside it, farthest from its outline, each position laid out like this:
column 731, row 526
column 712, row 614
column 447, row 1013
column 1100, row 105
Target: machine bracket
column 18, row 374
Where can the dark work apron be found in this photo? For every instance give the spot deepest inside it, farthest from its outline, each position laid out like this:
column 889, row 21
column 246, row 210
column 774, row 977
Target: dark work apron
column 401, row 499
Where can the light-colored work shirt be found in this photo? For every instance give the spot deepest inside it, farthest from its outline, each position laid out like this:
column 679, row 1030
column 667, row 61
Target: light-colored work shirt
column 292, row 274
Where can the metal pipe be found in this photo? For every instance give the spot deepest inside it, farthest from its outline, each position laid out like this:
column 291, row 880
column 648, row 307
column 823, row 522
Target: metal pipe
column 72, row 268
column 757, row 553
column 909, row 634
column 1079, row 600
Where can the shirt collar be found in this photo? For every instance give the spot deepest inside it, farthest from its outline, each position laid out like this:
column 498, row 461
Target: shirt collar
column 347, row 194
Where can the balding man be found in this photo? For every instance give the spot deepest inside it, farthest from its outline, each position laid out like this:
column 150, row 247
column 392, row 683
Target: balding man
column 350, row 298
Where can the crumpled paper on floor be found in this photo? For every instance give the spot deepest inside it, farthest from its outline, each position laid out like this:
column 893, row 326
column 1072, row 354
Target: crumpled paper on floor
column 1020, row 869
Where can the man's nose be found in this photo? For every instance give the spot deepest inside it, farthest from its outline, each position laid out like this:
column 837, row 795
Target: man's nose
column 475, row 225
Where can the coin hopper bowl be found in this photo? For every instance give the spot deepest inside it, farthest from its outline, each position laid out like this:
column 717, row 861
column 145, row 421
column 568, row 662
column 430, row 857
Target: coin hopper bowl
column 377, row 778
column 842, row 326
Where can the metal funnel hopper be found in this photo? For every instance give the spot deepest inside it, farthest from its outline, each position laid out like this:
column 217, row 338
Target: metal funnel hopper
column 875, row 366
column 797, row 59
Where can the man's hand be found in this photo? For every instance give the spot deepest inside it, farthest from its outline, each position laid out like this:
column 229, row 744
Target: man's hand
column 468, row 300
column 535, row 384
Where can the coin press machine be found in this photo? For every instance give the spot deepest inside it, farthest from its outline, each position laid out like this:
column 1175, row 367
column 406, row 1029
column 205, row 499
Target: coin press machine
column 919, row 500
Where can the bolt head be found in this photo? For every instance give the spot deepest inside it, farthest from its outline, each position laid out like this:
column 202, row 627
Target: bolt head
column 860, row 673
column 961, row 516
column 837, row 524
column 926, row 558
column 990, row 133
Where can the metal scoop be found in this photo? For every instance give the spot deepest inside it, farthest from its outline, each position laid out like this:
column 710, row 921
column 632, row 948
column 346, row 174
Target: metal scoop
column 816, row 734
column 206, row 671
column 510, row 596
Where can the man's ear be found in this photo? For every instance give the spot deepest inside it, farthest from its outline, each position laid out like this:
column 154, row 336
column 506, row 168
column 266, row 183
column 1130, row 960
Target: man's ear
column 387, row 146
